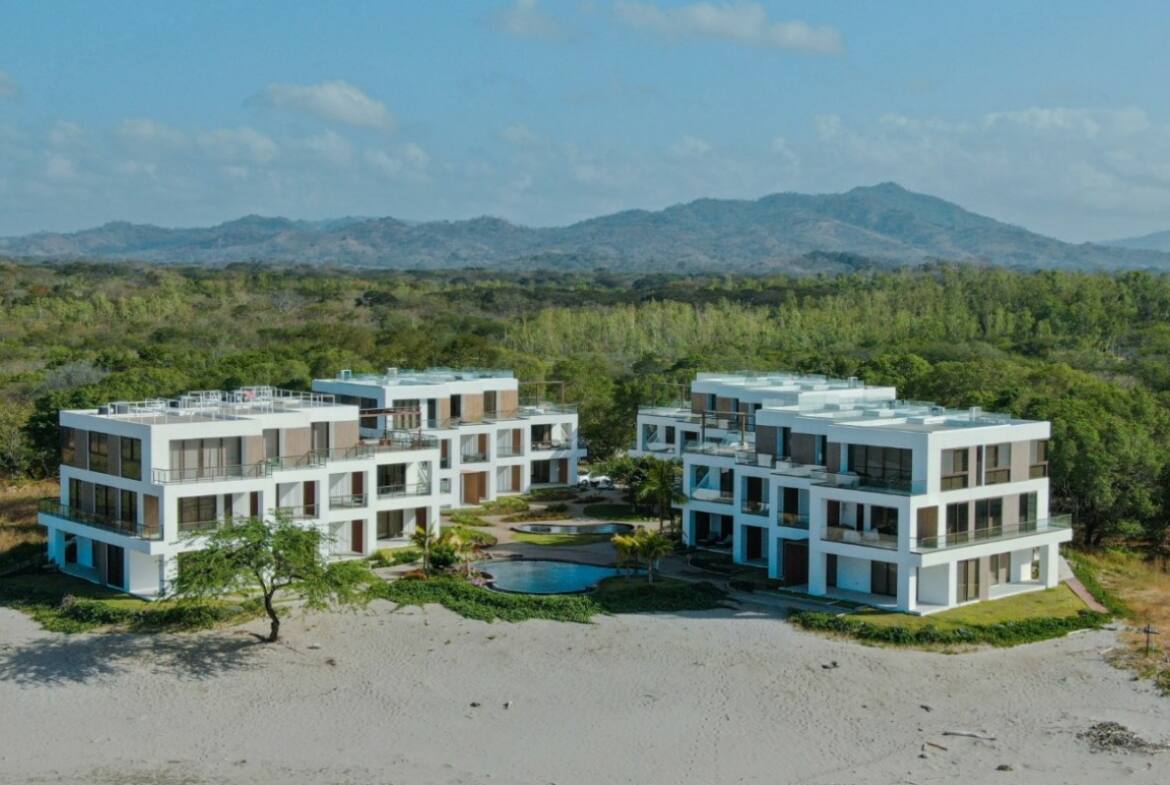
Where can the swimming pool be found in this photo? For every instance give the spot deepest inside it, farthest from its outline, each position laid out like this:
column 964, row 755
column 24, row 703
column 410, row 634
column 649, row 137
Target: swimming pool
column 544, row 576
column 569, row 528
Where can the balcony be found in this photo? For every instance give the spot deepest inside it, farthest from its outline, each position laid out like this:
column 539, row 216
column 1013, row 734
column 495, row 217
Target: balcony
column 552, row 444
column 1001, row 533
column 870, row 538
column 301, row 512
column 473, row 457
column 1037, row 470
column 754, row 506
column 356, row 452
column 402, row 443
column 347, row 501
column 508, row 451
column 793, row 520
column 246, row 471
column 899, row 486
column 307, row 461
column 196, row 527
column 110, row 523
column 716, row 495
column 716, row 449
column 404, row 489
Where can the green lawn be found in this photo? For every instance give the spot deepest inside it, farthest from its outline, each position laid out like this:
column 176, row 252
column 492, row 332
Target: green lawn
column 1050, row 603
column 613, row 595
column 616, row 512
column 1021, row 619
column 42, row 596
column 560, row 540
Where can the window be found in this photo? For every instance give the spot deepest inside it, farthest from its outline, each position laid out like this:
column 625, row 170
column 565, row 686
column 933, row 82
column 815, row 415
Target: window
column 881, row 465
column 99, row 452
column 884, row 520
column 196, row 511
column 128, row 506
column 456, row 406
column 783, row 437
column 670, row 434
column 957, row 518
column 445, row 485
column 1028, row 511
column 955, row 468
column 1038, row 458
column 883, row 578
column 988, row 516
column 712, row 402
column 105, row 500
column 69, row 442
column 75, row 492
column 131, row 458
column 999, row 463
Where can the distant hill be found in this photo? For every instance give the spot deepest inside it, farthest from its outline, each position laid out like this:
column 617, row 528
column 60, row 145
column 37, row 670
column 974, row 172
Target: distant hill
column 878, row 225
column 1158, row 241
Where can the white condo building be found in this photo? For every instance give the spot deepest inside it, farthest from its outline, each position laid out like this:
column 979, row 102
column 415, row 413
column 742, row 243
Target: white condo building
column 141, row 480
column 842, row 490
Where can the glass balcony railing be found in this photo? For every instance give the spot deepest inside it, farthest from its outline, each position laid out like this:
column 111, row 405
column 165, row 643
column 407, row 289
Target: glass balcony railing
column 356, row 452
column 508, row 451
column 793, row 520
column 870, row 538
column 306, row 461
column 552, row 444
column 473, row 457
column 244, row 471
column 296, row 512
column 404, row 489
column 144, row 531
column 405, row 442
column 717, row 495
column 754, row 506
column 195, row 527
column 901, row 486
column 992, row 534
column 347, row 500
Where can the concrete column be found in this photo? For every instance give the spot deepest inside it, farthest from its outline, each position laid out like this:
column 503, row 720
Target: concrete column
column 773, row 554
column 984, row 578
column 907, row 587
column 1050, row 565
column 816, row 572
column 688, row 527
column 1021, row 569
column 738, row 543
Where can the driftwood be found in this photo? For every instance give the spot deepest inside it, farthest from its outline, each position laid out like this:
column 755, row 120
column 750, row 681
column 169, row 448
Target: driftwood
column 937, row 746
column 968, row 734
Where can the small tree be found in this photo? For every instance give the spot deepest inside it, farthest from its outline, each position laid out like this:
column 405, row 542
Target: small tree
column 425, row 539
column 253, row 555
column 661, row 488
column 644, row 546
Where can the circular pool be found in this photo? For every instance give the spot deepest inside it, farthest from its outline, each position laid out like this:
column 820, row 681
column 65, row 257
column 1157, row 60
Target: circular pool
column 568, row 528
column 544, row 576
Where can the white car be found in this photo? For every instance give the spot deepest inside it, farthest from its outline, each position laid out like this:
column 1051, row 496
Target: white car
column 596, row 481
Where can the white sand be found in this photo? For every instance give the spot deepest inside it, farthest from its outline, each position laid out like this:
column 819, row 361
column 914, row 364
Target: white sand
column 705, row 698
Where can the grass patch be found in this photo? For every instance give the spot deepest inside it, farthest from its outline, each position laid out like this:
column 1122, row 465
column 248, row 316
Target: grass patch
column 22, row 539
column 479, row 538
column 537, row 515
column 392, row 557
column 1136, row 588
column 61, row 603
column 560, row 540
column 505, row 504
column 565, row 494
column 613, row 595
column 1011, row 621
column 616, row 512
column 467, row 518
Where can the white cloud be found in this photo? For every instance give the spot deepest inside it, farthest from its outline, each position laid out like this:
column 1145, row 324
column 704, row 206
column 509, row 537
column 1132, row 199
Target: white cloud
column 58, row 167
column 410, row 160
column 519, row 135
column 147, row 131
column 331, row 147
column 740, row 22
column 415, row 155
column 239, row 144
column 65, row 133
column 690, row 147
column 336, row 101
column 526, row 19
column 8, row 87
column 783, row 150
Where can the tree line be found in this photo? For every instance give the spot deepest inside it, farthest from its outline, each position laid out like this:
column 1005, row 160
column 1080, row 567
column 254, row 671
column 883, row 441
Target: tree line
column 1087, row 351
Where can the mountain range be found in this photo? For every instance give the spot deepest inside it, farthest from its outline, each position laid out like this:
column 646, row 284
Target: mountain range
column 883, row 224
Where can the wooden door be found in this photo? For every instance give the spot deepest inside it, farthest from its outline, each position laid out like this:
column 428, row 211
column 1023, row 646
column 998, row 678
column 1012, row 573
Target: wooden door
column 420, row 519
column 357, row 541
column 563, row 470
column 516, row 481
column 472, row 491
column 794, row 562
column 310, row 498
column 115, row 566
column 358, row 484
column 831, row 569
column 517, row 436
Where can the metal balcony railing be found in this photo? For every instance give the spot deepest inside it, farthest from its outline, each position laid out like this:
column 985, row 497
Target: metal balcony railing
column 992, row 534
column 793, row 520
column 404, row 489
column 473, row 457
column 297, row 512
column 754, row 506
column 207, row 473
column 347, row 501
column 403, row 442
column 111, row 523
column 870, row 538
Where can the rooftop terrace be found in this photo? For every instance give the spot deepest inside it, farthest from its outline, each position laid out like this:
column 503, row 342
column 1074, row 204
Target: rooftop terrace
column 212, row 405
column 392, row 377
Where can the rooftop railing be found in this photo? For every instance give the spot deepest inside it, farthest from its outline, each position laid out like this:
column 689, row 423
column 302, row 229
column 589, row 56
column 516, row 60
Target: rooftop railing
column 870, row 538
column 111, row 523
column 999, row 533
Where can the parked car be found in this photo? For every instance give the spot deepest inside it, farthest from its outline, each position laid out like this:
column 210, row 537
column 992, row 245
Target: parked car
column 595, row 481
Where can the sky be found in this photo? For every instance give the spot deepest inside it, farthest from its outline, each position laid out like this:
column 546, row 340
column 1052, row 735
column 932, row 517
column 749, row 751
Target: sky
column 1051, row 115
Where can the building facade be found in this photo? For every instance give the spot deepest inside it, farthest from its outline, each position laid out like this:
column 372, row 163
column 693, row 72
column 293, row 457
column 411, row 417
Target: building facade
column 142, row 482
column 491, row 443
column 840, row 489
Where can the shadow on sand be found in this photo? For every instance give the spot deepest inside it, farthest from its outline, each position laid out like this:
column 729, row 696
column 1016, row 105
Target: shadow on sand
column 82, row 658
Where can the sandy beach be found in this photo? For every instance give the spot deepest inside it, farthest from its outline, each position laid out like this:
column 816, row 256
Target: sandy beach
column 386, row 695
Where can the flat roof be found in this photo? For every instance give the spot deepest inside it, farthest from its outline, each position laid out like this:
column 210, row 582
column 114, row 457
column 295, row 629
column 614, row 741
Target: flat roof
column 401, row 377
column 213, row 405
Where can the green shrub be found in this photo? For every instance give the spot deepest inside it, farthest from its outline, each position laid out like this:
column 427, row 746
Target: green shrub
column 392, row 557
column 557, row 507
column 565, row 494
column 443, row 555
column 536, row 515
column 479, row 538
column 506, row 504
column 467, row 518
column 92, row 612
column 1008, row 633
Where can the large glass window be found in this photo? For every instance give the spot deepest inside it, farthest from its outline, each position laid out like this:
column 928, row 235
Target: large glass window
column 105, row 500
column 883, row 578
column 128, row 506
column 131, row 458
column 1028, row 508
column 195, row 511
column 881, row 465
column 884, row 520
column 999, row 463
column 1038, row 458
column 957, row 518
column 988, row 514
column 99, row 452
column 955, row 468
column 69, row 451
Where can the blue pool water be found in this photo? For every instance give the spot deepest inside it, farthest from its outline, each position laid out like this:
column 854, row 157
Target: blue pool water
column 568, row 528
column 541, row 576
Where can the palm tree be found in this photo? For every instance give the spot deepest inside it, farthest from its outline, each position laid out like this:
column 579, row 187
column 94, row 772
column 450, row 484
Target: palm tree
column 662, row 488
column 425, row 539
column 626, row 546
column 643, row 546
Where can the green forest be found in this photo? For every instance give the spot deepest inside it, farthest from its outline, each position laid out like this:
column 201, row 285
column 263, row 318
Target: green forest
column 1087, row 351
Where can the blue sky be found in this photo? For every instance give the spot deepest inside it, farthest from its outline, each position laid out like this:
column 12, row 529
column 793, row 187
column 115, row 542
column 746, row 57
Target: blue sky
column 1053, row 115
